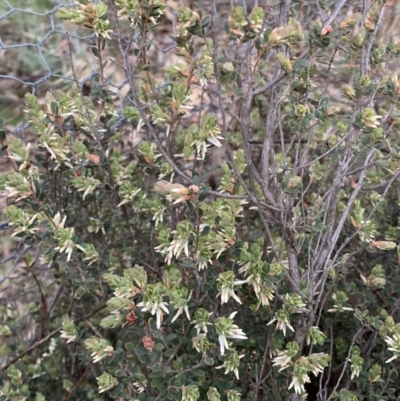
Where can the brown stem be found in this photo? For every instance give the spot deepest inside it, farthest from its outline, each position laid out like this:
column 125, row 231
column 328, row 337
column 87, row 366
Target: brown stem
column 43, row 301
column 79, row 382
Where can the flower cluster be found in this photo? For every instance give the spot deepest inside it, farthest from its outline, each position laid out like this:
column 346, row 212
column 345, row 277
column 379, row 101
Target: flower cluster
column 225, row 329
column 153, row 301
column 99, row 348
column 69, row 331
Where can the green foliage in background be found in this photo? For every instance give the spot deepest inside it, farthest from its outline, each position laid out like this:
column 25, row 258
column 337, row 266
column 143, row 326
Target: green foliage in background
column 245, row 246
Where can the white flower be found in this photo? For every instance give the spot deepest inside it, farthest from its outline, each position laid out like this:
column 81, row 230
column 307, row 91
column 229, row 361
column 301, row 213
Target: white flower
column 394, row 346
column 200, row 343
column 226, row 284
column 69, row 331
column 102, row 353
column 214, row 140
column 283, row 360
column 179, row 312
column 201, row 320
column 226, row 293
column 298, row 387
column 223, row 343
column 282, row 318
column 299, row 378
column 70, row 338
column 153, row 303
column 177, row 246
column 227, row 329
column 231, row 363
column 155, row 308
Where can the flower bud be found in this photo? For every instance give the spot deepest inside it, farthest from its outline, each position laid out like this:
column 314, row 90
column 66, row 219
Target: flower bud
column 351, row 20
column 148, row 343
column 332, row 111
column 106, row 382
column 294, row 182
column 359, row 39
column 326, row 31
column 213, row 394
column 349, row 91
column 284, row 62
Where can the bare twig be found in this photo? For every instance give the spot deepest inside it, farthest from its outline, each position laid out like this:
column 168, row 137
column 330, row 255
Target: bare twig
column 78, row 383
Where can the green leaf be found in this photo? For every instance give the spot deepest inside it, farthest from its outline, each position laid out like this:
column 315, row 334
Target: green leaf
column 183, row 379
column 141, row 351
column 206, row 21
column 196, row 180
column 95, row 51
column 188, row 263
column 170, row 337
column 169, row 352
column 130, row 347
column 209, row 361
column 262, row 343
column 203, row 193
column 54, row 107
column 206, row 230
column 117, row 391
column 198, row 372
column 158, row 347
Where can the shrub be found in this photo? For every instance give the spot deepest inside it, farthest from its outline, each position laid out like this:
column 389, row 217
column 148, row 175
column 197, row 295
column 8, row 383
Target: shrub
column 244, row 246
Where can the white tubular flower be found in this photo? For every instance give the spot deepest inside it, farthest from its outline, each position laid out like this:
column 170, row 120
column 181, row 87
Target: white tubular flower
column 339, row 298
column 284, row 358
column 314, row 363
column 213, row 394
column 153, row 301
column 231, row 363
column 99, row 348
column 201, row 320
column 179, row 299
column 232, row 395
column 65, row 241
column 227, row 329
column 190, row 393
column 106, row 382
column 394, row 346
column 208, row 134
column 265, row 295
column 226, row 284
column 69, row 331
column 356, row 362
column 299, row 378
column 293, row 303
column 315, row 336
column 282, row 318
column 201, row 343
column 180, row 242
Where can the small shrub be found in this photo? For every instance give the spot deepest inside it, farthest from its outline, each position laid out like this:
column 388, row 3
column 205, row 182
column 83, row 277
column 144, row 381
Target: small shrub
column 245, row 246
